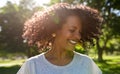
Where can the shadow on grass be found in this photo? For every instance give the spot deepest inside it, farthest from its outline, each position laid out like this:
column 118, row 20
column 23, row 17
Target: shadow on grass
column 9, row 70
column 110, row 69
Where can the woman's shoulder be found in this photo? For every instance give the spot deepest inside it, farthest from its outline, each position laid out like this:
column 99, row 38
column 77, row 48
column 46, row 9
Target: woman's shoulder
column 83, row 57
column 88, row 63
column 38, row 57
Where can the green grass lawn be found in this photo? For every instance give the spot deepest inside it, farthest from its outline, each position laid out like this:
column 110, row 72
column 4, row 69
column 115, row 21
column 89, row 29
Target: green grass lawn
column 111, row 65
column 10, row 66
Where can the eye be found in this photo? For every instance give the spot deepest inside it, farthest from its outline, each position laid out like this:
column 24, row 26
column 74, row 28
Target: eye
column 80, row 33
column 72, row 30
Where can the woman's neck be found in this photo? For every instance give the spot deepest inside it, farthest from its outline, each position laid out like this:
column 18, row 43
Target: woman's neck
column 59, row 56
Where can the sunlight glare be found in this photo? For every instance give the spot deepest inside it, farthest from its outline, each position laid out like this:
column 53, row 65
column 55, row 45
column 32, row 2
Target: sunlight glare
column 41, row 2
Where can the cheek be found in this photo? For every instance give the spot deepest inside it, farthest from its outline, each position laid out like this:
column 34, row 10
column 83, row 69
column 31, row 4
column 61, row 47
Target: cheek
column 66, row 37
column 67, row 34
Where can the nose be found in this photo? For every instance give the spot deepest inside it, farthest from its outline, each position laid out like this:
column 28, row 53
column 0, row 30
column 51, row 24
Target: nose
column 77, row 36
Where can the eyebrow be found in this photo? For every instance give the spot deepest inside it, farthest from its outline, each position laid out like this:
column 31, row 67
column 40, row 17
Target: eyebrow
column 74, row 27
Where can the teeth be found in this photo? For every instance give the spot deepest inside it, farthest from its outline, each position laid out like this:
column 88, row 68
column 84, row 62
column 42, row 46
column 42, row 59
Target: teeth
column 73, row 42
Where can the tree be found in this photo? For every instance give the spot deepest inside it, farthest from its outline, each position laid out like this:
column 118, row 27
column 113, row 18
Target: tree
column 11, row 28
column 111, row 25
column 12, row 18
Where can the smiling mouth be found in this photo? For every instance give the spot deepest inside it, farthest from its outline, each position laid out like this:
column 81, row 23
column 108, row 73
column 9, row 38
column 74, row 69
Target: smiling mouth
column 73, row 42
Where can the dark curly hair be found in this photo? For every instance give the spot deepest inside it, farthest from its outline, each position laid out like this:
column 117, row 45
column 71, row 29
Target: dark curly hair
column 39, row 30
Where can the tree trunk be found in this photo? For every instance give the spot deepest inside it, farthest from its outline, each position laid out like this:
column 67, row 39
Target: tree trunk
column 100, row 51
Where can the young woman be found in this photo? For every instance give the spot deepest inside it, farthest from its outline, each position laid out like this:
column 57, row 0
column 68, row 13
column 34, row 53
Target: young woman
column 59, row 28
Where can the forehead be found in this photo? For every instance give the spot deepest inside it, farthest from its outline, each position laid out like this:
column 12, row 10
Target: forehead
column 73, row 21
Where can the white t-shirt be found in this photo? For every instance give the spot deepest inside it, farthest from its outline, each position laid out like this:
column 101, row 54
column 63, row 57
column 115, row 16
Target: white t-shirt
column 81, row 64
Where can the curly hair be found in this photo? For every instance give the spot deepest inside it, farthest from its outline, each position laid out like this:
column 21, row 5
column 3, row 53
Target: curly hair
column 41, row 27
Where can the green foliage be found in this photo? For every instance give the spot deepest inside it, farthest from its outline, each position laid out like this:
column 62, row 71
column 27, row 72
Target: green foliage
column 11, row 30
column 80, row 49
column 12, row 18
column 110, row 27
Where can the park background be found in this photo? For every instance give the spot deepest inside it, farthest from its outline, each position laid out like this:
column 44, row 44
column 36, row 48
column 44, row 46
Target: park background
column 14, row 50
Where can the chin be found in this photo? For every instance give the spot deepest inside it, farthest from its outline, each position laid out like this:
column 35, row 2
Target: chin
column 70, row 49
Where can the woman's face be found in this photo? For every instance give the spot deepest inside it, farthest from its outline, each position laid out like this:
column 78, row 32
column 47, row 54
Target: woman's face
column 69, row 34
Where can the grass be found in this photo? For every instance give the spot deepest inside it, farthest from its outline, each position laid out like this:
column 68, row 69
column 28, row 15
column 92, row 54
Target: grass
column 9, row 70
column 10, row 62
column 111, row 65
column 10, row 66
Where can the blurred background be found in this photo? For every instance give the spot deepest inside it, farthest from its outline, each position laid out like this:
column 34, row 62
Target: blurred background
column 14, row 50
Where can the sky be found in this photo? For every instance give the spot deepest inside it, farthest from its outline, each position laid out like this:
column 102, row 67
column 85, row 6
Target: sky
column 38, row 2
